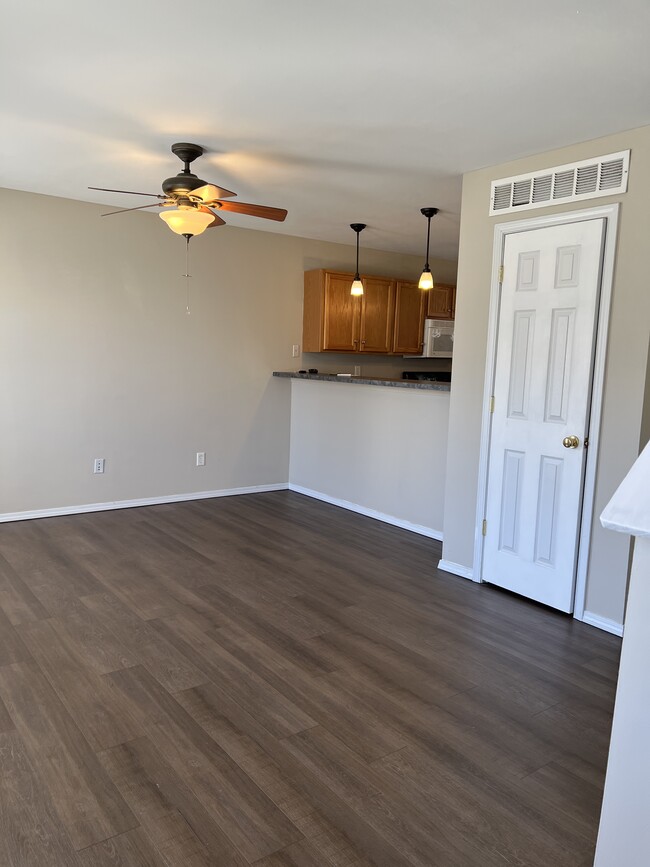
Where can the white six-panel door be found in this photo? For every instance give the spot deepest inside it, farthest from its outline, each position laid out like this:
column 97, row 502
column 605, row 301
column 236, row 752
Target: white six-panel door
column 544, row 361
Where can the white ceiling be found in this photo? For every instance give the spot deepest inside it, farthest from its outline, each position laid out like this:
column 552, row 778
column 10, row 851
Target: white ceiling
column 341, row 111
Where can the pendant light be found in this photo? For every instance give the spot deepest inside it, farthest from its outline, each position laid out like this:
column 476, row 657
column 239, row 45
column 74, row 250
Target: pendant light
column 426, row 278
column 357, row 285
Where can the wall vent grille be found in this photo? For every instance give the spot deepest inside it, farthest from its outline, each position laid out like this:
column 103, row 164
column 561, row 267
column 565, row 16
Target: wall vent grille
column 588, row 179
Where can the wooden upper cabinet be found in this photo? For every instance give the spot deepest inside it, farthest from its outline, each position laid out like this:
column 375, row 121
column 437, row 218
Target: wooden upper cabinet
column 441, row 301
column 387, row 318
column 377, row 312
column 336, row 321
column 341, row 314
column 330, row 319
column 408, row 332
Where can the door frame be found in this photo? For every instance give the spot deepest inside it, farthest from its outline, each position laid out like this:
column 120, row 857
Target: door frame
column 501, row 230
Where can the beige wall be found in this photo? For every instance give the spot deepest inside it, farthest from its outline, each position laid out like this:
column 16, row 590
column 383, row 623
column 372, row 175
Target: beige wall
column 98, row 358
column 341, row 435
column 645, row 421
column 625, row 368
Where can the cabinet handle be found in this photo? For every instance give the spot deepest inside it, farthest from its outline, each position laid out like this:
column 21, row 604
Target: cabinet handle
column 363, row 341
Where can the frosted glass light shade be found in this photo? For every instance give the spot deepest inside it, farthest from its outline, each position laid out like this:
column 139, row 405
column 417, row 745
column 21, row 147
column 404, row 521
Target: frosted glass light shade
column 426, row 279
column 356, row 288
column 186, row 221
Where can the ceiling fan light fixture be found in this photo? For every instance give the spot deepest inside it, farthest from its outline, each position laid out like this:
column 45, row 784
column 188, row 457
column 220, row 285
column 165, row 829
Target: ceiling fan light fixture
column 187, row 221
column 357, row 285
column 426, row 278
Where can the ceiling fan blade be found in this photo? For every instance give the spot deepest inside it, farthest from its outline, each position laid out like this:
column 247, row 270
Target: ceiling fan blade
column 278, row 214
column 217, row 219
column 211, row 192
column 127, row 192
column 124, row 210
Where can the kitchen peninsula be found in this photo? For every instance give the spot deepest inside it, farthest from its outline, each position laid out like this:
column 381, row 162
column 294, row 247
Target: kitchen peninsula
column 378, row 448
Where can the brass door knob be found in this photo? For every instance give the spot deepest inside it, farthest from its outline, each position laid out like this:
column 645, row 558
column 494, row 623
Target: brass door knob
column 571, row 442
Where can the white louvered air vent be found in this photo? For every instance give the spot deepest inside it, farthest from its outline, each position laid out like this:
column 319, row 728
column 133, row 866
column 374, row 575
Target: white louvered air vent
column 588, row 179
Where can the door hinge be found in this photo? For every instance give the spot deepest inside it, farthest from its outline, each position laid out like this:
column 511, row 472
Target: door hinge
column 484, row 528
column 501, row 272
column 492, row 404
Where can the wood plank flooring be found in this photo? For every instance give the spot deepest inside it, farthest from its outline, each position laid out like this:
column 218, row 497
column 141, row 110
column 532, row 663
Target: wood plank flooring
column 271, row 680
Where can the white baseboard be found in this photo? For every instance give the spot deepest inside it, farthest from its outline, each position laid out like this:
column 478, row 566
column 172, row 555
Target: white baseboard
column 133, row 504
column 456, row 569
column 602, row 623
column 369, row 513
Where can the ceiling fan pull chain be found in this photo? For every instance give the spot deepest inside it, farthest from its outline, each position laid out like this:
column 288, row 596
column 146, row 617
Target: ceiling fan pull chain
column 187, row 274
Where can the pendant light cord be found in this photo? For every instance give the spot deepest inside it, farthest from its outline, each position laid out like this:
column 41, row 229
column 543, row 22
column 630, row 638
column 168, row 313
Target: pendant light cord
column 356, row 276
column 426, row 267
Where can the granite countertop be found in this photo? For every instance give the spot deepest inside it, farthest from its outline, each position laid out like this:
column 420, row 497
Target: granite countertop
column 423, row 385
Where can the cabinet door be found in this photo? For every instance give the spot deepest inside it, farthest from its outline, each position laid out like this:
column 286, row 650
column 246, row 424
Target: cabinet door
column 441, row 301
column 341, row 315
column 409, row 318
column 377, row 314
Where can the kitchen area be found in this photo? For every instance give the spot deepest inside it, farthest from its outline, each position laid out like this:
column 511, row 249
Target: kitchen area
column 370, row 401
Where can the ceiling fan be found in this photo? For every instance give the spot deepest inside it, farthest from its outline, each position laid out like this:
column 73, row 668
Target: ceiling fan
column 192, row 201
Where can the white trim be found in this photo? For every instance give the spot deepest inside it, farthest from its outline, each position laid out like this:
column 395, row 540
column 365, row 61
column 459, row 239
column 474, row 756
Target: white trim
column 456, row 569
column 602, row 623
column 369, row 513
column 598, row 382
column 488, row 387
column 134, row 504
column 610, row 214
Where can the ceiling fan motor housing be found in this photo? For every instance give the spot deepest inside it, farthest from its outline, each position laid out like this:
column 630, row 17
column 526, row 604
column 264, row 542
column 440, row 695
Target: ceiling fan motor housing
column 185, row 181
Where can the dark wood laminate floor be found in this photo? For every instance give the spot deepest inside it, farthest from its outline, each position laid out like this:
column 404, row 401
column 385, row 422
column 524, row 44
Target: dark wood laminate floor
column 271, row 680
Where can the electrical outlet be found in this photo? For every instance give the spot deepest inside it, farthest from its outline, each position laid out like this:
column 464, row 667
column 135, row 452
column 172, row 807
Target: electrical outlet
column 357, row 370
column 295, row 350
column 200, row 459
column 98, row 465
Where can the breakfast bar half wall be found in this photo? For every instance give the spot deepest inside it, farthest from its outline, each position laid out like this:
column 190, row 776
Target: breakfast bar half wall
column 377, row 447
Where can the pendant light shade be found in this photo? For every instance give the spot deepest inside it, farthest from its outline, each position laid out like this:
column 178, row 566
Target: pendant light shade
column 426, row 278
column 187, row 221
column 357, row 285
